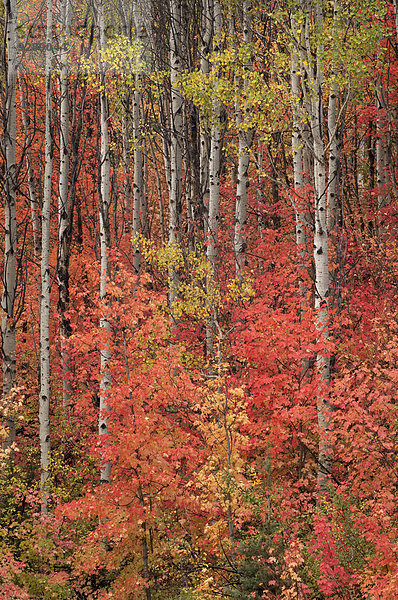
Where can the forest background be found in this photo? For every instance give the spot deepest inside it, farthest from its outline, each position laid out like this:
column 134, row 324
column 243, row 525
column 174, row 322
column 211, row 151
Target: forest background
column 199, row 303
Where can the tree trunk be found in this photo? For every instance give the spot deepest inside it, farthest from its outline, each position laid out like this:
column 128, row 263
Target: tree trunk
column 176, row 128
column 321, row 262
column 298, row 159
column 311, row 61
column 10, row 224
column 44, row 408
column 138, row 187
column 204, row 124
column 64, row 206
column 214, row 195
column 105, row 241
column 245, row 135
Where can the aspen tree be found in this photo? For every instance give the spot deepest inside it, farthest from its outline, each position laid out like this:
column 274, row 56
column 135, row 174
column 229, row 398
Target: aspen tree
column 206, row 34
column 297, row 148
column 44, row 408
column 126, row 31
column 10, row 220
column 245, row 137
column 310, row 60
column 381, row 152
column 105, row 241
column 138, row 185
column 333, row 135
column 214, row 192
column 321, row 251
column 176, row 129
column 65, row 207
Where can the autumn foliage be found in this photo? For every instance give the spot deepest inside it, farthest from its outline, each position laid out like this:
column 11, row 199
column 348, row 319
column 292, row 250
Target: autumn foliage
column 214, row 454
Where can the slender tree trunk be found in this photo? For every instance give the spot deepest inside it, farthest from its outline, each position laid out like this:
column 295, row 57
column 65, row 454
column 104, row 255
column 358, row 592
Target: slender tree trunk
column 64, row 206
column 204, row 124
column 214, row 195
column 297, row 150
column 10, row 223
column 381, row 154
column 105, row 242
column 245, row 135
column 44, row 408
column 127, row 189
column 311, row 62
column 138, row 187
column 176, row 128
column 321, row 262
column 298, row 158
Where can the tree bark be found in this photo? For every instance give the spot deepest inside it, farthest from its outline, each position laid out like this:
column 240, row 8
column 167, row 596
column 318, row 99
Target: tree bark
column 214, row 195
column 105, row 242
column 138, row 186
column 44, row 408
column 245, row 136
column 176, row 127
column 10, row 225
column 65, row 208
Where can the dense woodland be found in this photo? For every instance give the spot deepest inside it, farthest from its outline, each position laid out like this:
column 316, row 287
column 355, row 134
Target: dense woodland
column 199, row 300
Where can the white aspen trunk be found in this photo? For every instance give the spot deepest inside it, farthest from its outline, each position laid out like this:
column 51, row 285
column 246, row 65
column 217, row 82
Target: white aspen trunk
column 321, row 263
column 138, row 191
column 176, row 137
column 333, row 167
column 245, row 135
column 381, row 155
column 214, row 194
column 204, row 125
column 127, row 191
column 298, row 158
column 10, row 223
column 127, row 162
column 297, row 151
column 333, row 135
column 44, row 406
column 361, row 161
column 64, row 203
column 105, row 354
column 311, row 86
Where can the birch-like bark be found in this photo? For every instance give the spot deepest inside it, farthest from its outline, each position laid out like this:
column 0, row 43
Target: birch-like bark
column 176, row 137
column 381, row 154
column 298, row 155
column 44, row 407
column 312, row 88
column 125, row 24
column 245, row 136
column 138, row 186
column 10, row 224
column 321, row 263
column 206, row 26
column 64, row 203
column 105, row 242
column 297, row 150
column 333, row 135
column 127, row 191
column 214, row 195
